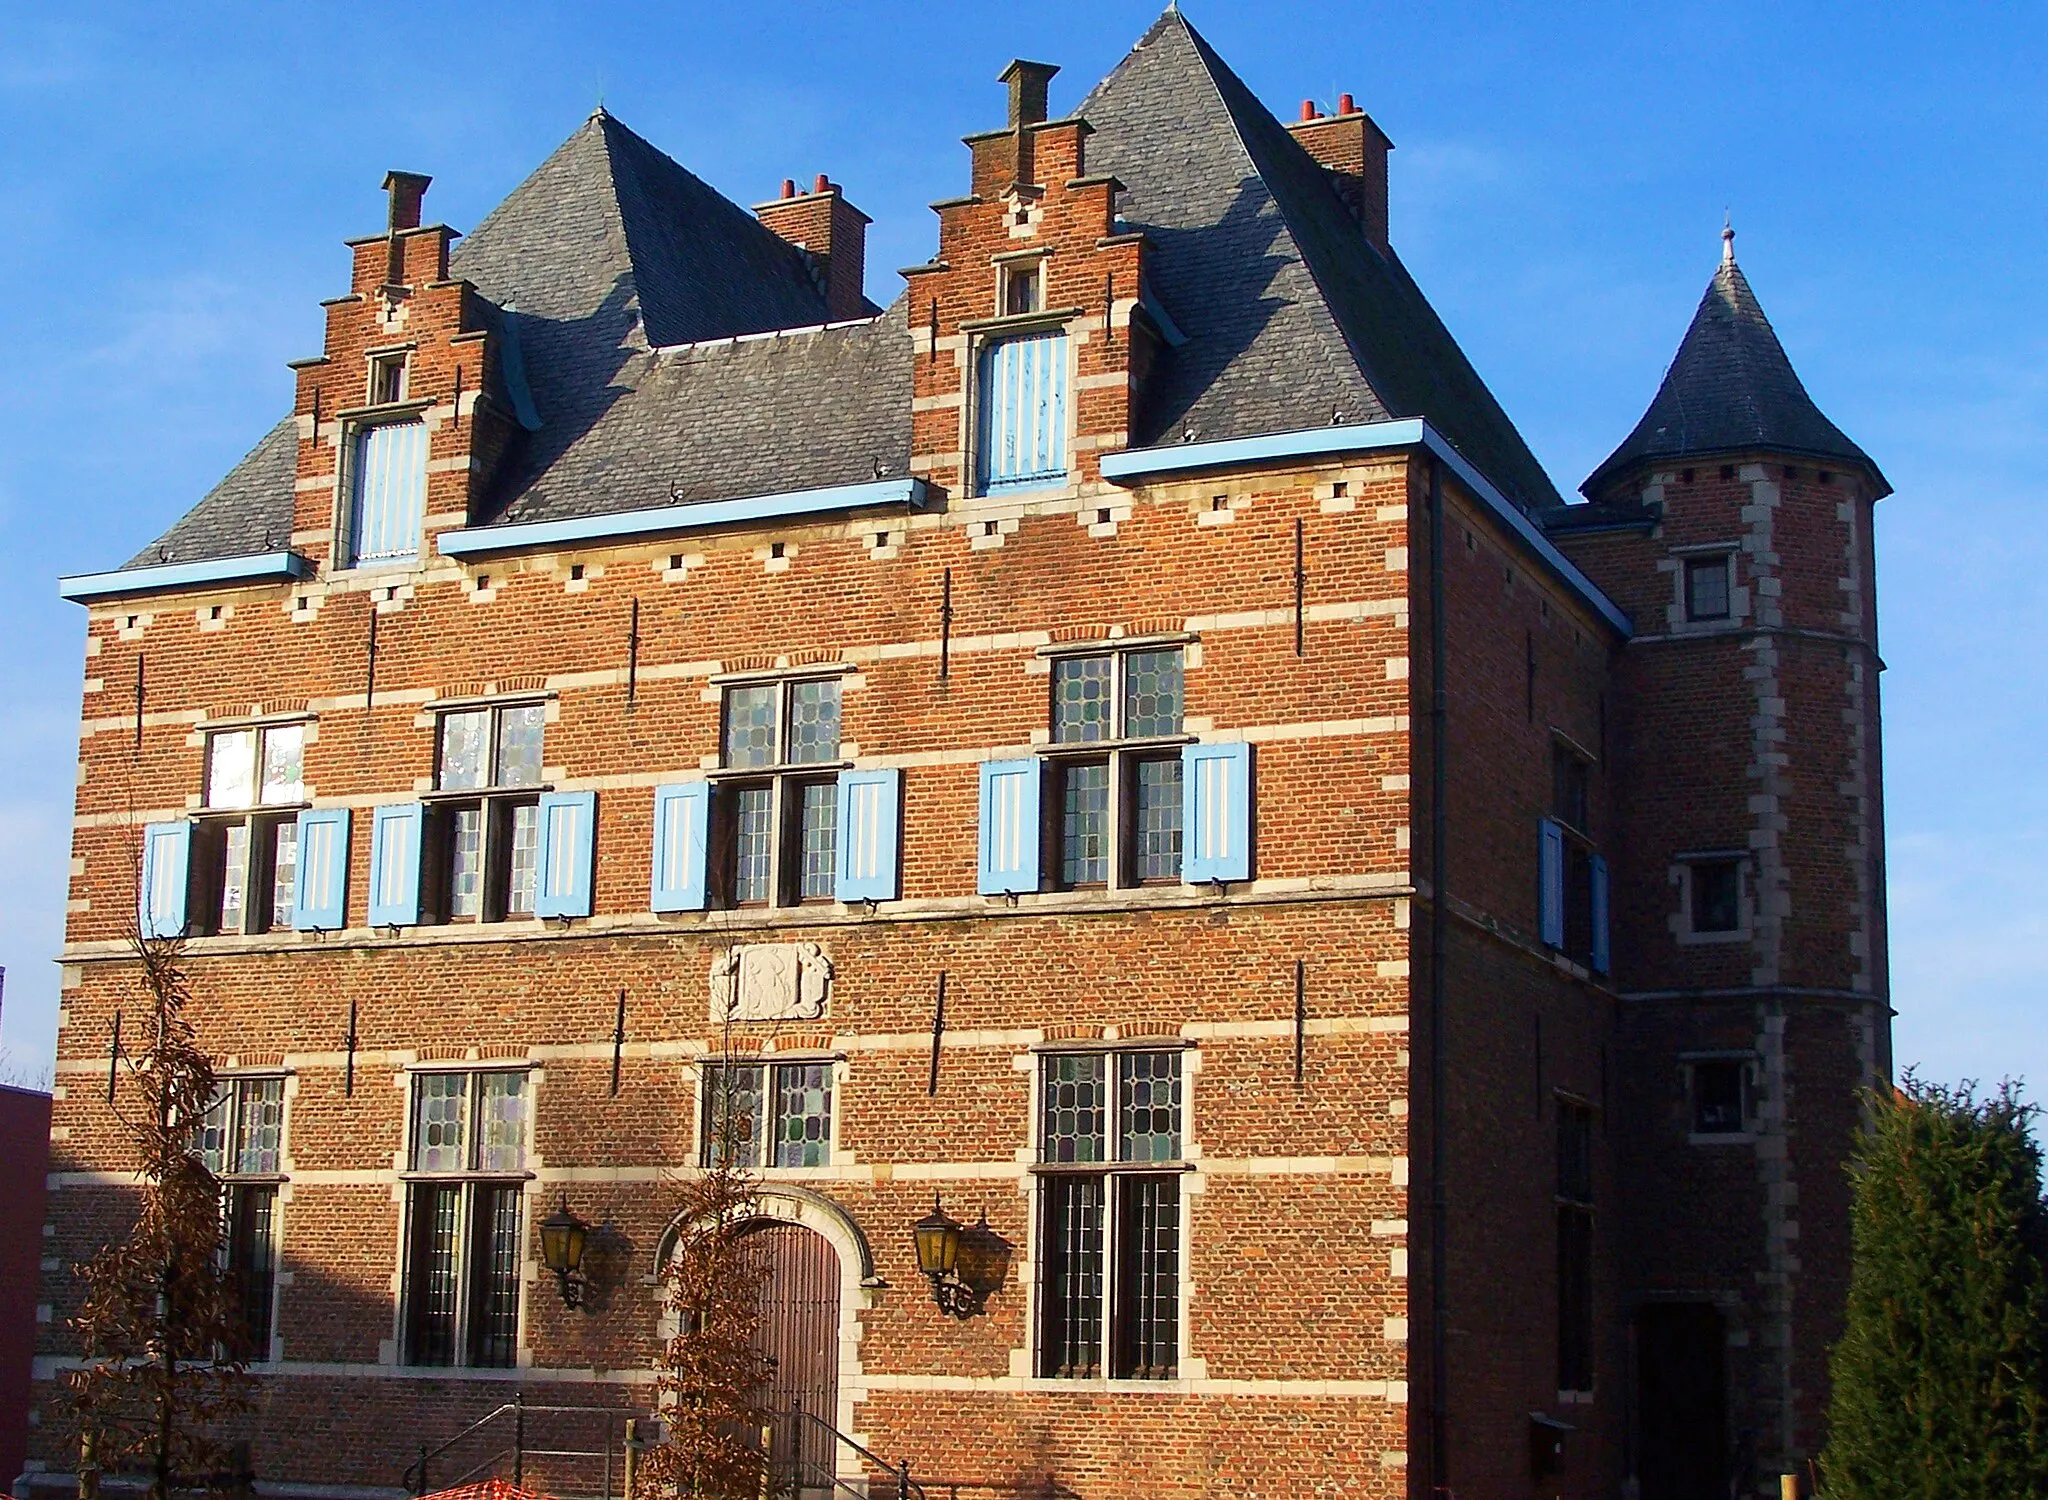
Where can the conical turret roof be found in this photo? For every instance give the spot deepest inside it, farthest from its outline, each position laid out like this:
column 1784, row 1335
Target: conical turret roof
column 1730, row 390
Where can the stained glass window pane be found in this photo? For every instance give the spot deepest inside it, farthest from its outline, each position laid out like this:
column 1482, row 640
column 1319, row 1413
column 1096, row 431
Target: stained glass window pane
column 731, row 1130
column 1070, row 1330
column 1080, row 699
column 259, row 1127
column 494, row 1281
column 753, row 842
column 465, row 746
column 284, row 758
column 1150, row 1086
column 803, row 1117
column 1075, row 1106
column 1155, row 820
column 524, row 829
column 440, row 1122
column 1148, row 1279
column 431, row 1290
column 519, row 737
column 466, row 862
column 750, row 725
column 234, row 878
column 210, row 1135
column 813, row 721
column 819, row 816
column 284, row 874
column 231, row 769
column 1152, row 693
column 501, row 1123
column 1084, row 824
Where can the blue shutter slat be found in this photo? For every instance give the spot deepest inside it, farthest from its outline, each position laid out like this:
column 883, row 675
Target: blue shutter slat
column 869, row 852
column 1009, row 827
column 395, row 864
column 568, row 822
column 682, row 821
column 1599, row 894
column 166, row 860
column 1216, row 807
column 1550, row 875
column 320, row 901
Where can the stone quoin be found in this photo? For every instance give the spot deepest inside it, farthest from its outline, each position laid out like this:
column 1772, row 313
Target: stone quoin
column 1126, row 739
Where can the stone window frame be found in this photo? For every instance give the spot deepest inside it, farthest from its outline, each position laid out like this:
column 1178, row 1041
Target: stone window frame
column 522, row 1180
column 1120, row 751
column 1750, row 1064
column 239, row 1188
column 1678, row 612
column 498, row 804
column 1183, row 1169
column 785, row 780
column 980, row 335
column 768, row 1062
column 1681, row 879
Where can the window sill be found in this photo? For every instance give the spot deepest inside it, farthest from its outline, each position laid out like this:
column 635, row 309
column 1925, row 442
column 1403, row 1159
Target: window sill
column 768, row 773
column 1720, row 1138
column 1712, row 939
column 1036, row 484
column 1058, row 748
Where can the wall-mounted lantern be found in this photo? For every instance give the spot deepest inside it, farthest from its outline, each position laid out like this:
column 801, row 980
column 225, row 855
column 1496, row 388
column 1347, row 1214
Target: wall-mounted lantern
column 964, row 1266
column 562, row 1238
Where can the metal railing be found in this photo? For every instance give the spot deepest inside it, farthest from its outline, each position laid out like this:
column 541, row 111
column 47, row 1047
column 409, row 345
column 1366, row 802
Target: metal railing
column 517, row 1447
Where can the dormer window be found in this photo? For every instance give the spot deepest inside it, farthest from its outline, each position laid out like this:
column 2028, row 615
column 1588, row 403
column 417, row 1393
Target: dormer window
column 1021, row 434
column 1023, row 288
column 387, row 379
column 387, row 492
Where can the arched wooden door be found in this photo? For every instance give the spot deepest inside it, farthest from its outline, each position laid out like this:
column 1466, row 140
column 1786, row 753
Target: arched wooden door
column 798, row 1331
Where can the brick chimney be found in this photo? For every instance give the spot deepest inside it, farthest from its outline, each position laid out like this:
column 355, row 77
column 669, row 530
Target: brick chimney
column 832, row 232
column 1355, row 152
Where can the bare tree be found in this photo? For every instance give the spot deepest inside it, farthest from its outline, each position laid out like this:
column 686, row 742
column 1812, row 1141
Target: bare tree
column 159, row 1325
column 712, row 1379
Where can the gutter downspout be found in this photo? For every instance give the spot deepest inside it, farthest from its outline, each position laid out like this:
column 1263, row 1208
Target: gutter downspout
column 1439, row 756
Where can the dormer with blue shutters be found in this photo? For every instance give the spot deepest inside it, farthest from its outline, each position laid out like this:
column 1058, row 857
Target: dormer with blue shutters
column 1028, row 324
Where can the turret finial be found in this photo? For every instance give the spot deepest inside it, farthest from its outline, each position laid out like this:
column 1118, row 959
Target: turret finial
column 1727, row 239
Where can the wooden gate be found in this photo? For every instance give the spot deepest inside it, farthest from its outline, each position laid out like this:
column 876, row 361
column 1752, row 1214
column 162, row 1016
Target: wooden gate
column 798, row 1331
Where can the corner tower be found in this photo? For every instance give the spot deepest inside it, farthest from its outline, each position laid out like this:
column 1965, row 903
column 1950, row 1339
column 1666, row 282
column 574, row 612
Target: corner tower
column 1734, row 523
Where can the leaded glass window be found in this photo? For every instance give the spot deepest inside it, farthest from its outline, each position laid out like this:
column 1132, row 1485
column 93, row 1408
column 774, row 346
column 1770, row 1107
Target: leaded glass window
column 1152, row 693
column 1084, row 823
column 1149, row 1105
column 762, row 1115
column 440, row 1124
column 750, row 725
column 1081, row 690
column 1076, row 1107
column 813, row 721
column 803, row 1115
column 774, row 839
column 1156, row 819
column 818, row 838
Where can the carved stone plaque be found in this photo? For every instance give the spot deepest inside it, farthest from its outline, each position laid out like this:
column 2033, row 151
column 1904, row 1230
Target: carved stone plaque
column 771, row 982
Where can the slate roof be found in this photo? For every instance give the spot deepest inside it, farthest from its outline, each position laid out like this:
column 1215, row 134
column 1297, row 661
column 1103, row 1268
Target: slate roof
column 610, row 256
column 1293, row 316
column 1730, row 389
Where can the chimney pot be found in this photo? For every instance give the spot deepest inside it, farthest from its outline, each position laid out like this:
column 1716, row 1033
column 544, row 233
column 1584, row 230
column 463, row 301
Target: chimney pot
column 824, row 184
column 406, row 190
column 1345, row 106
column 1308, row 109
column 789, row 187
column 1027, row 81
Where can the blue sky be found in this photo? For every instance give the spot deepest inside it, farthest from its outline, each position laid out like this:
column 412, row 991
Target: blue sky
column 175, row 183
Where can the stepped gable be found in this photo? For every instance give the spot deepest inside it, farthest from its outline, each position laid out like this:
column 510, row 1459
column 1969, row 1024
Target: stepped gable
column 1730, row 389
column 1294, row 319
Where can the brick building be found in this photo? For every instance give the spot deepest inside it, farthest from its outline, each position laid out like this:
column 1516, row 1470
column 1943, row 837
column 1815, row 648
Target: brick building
column 1006, row 746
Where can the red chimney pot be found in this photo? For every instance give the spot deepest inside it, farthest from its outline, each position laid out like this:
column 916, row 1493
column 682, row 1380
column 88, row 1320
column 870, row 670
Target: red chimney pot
column 824, row 184
column 1345, row 106
column 789, row 187
column 1308, row 109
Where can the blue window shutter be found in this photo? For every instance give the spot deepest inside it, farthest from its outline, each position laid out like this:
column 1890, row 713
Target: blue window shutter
column 321, row 900
column 166, row 860
column 1021, row 426
column 390, row 491
column 395, row 864
column 568, row 821
column 869, row 852
column 1550, row 897
column 1216, row 812
column 1599, row 903
column 1009, row 827
column 682, row 820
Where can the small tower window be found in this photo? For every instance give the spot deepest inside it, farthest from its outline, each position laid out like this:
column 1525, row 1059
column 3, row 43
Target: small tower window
column 1021, row 435
column 1706, row 588
column 1716, row 895
column 388, row 492
column 1023, row 288
column 1719, row 1096
column 387, row 379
